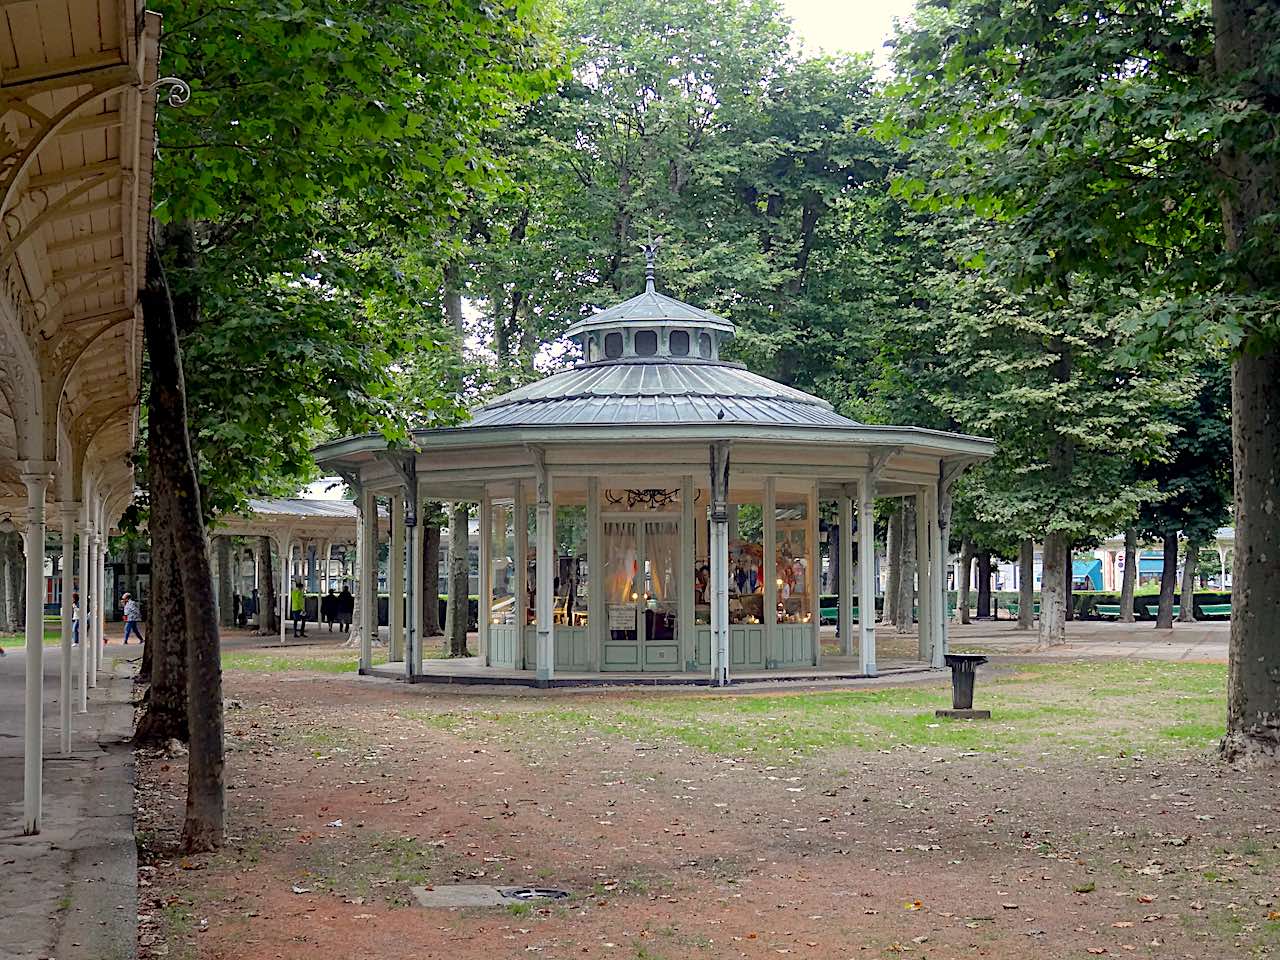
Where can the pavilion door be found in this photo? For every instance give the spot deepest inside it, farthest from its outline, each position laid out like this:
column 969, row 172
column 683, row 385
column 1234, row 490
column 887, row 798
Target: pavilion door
column 642, row 594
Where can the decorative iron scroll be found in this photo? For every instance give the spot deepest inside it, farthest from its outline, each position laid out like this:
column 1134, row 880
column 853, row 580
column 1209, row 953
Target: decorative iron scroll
column 652, row 498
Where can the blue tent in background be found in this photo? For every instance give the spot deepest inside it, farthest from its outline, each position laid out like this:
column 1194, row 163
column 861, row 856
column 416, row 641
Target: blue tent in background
column 1090, row 570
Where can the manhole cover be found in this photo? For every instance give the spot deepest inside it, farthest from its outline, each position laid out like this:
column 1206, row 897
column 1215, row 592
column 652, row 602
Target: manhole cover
column 534, row 893
column 481, row 895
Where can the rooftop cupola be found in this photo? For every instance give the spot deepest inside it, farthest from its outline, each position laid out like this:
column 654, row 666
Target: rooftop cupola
column 651, row 327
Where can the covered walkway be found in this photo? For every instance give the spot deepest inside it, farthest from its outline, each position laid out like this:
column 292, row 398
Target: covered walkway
column 78, row 83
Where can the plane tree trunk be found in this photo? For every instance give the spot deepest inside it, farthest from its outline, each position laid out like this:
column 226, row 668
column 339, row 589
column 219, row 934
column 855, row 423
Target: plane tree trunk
column 1130, row 578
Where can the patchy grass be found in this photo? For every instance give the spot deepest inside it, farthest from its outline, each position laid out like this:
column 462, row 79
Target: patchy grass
column 1111, row 707
column 373, row 865
column 52, row 638
column 340, row 661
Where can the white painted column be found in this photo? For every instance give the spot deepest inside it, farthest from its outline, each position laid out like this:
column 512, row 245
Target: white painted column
column 924, row 567
column 846, row 576
column 368, row 576
column 282, row 597
column 33, row 766
column 769, row 516
column 813, row 571
column 418, row 591
column 544, row 651
column 326, row 569
column 720, row 564
column 69, row 511
column 866, row 576
column 597, row 628
column 412, row 587
column 520, row 524
column 395, row 582
column 99, row 595
column 684, row 623
column 484, row 600
column 88, row 646
column 938, row 578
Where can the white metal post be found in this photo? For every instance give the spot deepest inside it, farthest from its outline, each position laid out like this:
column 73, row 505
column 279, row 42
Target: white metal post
column 484, row 600
column 866, row 576
column 939, row 521
column 68, row 587
column 597, row 629
column 688, row 576
column 769, row 514
column 99, row 587
column 720, row 564
column 520, row 526
column 88, row 651
column 34, row 739
column 544, row 651
column 924, row 567
column 285, row 543
column 846, row 575
column 368, row 574
column 395, row 582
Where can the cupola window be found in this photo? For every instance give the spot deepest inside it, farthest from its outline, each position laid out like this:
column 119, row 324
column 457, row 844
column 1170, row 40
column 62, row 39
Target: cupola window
column 678, row 343
column 646, row 343
column 613, row 345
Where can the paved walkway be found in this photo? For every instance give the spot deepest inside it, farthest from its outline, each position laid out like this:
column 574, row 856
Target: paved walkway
column 1207, row 641
column 71, row 892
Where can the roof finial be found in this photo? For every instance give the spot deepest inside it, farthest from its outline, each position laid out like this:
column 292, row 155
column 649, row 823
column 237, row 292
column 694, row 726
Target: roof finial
column 650, row 258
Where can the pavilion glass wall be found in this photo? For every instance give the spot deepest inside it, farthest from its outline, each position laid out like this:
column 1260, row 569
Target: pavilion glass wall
column 506, row 611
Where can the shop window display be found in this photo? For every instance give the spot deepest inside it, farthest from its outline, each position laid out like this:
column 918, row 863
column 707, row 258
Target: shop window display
column 793, row 562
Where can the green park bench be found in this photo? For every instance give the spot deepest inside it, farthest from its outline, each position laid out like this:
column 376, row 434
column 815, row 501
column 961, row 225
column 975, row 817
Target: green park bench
column 1014, row 607
column 1108, row 610
column 1153, row 610
column 1215, row 609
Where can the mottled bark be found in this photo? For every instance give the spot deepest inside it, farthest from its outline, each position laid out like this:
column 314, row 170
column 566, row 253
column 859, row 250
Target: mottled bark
column 966, row 570
column 984, row 584
column 268, row 608
column 431, row 580
column 907, row 568
column 1246, row 34
column 1187, row 602
column 169, row 450
column 226, row 597
column 1168, row 583
column 164, row 710
column 457, row 608
column 893, row 573
column 1129, row 578
column 1026, row 585
column 1053, row 621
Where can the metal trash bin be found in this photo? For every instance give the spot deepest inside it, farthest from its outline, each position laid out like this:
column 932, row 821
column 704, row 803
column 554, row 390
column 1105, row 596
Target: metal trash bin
column 963, row 671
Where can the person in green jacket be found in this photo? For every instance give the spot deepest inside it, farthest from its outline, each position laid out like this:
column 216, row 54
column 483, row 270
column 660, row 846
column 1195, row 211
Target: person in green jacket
column 298, row 608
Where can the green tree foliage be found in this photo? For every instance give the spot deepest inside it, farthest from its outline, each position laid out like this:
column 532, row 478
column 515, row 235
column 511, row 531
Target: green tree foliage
column 695, row 122
column 321, row 142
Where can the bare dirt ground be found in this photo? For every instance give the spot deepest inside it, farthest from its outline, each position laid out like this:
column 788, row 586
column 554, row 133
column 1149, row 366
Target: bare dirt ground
column 344, row 793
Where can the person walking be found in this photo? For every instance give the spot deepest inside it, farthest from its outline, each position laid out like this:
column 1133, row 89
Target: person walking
column 329, row 608
column 75, row 619
column 298, row 609
column 132, row 618
column 346, row 608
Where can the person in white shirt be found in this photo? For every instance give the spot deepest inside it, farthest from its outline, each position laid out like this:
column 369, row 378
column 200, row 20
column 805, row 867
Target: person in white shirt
column 75, row 619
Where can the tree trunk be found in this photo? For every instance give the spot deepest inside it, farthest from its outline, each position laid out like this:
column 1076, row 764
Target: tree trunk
column 164, row 711
column 966, row 570
column 1053, row 620
column 1168, row 583
column 1026, row 585
column 893, row 575
column 456, row 610
column 431, row 580
column 12, row 582
column 984, row 584
column 907, row 568
column 268, row 609
column 1187, row 605
column 226, row 591
column 1130, row 577
column 1245, row 35
column 169, row 449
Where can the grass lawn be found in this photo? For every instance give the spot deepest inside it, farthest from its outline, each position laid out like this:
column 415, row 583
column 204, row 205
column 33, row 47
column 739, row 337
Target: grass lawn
column 52, row 637
column 1112, row 707
column 318, row 658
